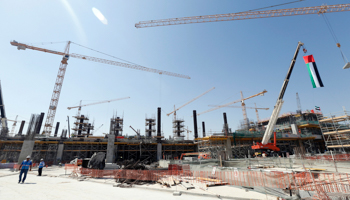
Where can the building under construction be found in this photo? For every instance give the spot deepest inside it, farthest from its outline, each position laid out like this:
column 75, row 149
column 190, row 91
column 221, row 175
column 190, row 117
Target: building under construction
column 335, row 128
column 293, row 130
column 83, row 145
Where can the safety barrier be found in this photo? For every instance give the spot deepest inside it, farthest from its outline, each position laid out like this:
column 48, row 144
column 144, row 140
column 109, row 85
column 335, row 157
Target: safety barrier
column 336, row 157
column 320, row 182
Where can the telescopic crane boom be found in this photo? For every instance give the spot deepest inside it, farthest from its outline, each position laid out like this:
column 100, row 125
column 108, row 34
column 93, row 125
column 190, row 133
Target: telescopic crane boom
column 274, row 116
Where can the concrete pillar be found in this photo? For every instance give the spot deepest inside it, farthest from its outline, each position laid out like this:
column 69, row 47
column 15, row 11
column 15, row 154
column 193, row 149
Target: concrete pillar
column 110, row 148
column 228, row 149
column 159, row 151
column 27, row 150
column 59, row 152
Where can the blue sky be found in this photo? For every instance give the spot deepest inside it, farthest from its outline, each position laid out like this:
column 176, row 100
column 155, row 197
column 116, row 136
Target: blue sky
column 234, row 56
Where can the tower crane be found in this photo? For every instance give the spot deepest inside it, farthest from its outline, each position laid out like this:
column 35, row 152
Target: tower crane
column 233, row 102
column 90, row 104
column 62, row 70
column 256, row 109
column 244, row 110
column 245, row 15
column 189, row 102
column 274, row 116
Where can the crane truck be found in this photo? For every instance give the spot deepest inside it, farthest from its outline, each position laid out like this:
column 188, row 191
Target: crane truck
column 265, row 145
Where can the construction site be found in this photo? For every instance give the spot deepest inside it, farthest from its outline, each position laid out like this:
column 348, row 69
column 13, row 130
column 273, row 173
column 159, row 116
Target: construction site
column 300, row 154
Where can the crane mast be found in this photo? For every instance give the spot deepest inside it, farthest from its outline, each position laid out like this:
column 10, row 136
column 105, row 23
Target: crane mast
column 51, row 113
column 244, row 110
column 62, row 70
column 273, row 119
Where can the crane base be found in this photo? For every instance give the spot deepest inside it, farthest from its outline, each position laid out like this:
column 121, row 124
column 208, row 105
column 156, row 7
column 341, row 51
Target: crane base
column 270, row 146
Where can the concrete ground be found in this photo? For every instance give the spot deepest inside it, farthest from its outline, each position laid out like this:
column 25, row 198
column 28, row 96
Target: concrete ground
column 55, row 184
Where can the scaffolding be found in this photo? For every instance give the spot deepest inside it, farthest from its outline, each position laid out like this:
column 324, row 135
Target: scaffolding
column 116, row 126
column 82, row 126
column 150, row 124
column 216, row 146
column 336, row 130
column 178, row 128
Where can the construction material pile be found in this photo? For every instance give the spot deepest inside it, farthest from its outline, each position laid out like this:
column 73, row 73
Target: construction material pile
column 138, row 165
column 137, row 175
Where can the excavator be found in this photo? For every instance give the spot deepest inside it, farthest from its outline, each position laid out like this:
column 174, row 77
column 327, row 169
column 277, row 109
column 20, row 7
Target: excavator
column 265, row 145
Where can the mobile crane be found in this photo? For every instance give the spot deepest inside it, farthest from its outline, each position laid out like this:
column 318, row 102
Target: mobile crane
column 264, row 145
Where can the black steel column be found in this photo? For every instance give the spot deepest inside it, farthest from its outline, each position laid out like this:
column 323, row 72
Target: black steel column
column 117, row 126
column 178, row 128
column 56, row 130
column 159, row 133
column 203, row 128
column 225, row 124
column 149, row 129
column 88, row 130
column 38, row 126
column 21, row 127
column 195, row 124
column 81, row 121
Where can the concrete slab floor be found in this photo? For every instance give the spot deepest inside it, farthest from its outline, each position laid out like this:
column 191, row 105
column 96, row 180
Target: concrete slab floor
column 56, row 185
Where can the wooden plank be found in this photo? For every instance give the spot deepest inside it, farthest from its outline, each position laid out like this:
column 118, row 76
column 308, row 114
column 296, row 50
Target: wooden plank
column 209, row 179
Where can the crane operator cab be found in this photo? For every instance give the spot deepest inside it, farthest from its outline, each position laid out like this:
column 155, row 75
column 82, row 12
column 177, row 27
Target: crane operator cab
column 65, row 59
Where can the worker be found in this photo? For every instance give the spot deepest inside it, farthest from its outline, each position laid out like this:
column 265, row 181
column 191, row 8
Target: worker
column 41, row 166
column 264, row 154
column 24, row 167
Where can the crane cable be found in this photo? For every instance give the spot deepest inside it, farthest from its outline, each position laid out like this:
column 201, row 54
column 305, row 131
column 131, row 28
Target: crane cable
column 104, row 53
column 282, row 4
column 334, row 36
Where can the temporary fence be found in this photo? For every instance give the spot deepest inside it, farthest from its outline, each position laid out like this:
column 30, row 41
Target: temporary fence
column 335, row 157
column 307, row 181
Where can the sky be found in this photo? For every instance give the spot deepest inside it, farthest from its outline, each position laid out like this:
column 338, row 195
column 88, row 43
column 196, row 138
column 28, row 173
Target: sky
column 233, row 56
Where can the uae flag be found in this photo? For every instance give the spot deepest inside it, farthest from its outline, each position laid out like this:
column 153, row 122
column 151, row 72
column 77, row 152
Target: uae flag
column 313, row 72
